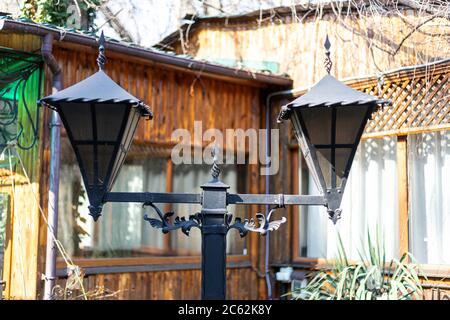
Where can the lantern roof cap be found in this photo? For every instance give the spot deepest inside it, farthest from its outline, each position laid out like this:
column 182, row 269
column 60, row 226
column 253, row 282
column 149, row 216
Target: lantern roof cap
column 329, row 92
column 97, row 88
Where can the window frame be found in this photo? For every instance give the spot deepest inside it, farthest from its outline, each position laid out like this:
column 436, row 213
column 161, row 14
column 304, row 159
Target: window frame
column 165, row 258
column 429, row 270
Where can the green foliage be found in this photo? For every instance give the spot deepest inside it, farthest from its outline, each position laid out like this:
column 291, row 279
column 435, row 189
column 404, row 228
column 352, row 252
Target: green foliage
column 78, row 14
column 368, row 279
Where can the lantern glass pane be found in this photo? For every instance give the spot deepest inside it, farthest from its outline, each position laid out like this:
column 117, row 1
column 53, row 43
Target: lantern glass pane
column 79, row 120
column 132, row 123
column 324, row 159
column 126, row 140
column 342, row 158
column 109, row 120
column 105, row 155
column 318, row 124
column 87, row 161
column 348, row 122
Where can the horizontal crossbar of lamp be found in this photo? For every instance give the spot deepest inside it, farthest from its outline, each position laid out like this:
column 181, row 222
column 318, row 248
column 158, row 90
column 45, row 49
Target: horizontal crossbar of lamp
column 196, row 198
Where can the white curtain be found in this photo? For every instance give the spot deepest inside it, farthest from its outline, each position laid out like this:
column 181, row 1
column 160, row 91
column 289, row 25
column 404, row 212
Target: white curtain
column 370, row 201
column 66, row 223
column 72, row 229
column 189, row 178
column 121, row 227
column 121, row 230
column 429, row 198
column 230, row 176
column 155, row 181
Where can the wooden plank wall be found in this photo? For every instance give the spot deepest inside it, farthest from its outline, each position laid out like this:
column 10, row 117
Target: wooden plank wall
column 23, row 221
column 20, row 259
column 21, row 42
column 177, row 99
column 360, row 45
column 161, row 285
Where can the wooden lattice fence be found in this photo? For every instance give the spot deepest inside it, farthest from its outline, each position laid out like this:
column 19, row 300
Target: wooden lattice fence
column 420, row 98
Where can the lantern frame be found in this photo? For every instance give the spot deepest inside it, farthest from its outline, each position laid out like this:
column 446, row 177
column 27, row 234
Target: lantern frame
column 330, row 95
column 93, row 92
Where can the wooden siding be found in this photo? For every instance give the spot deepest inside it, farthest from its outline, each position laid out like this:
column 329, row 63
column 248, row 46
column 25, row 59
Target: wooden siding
column 20, row 259
column 21, row 42
column 23, row 221
column 360, row 45
column 177, row 99
column 162, row 285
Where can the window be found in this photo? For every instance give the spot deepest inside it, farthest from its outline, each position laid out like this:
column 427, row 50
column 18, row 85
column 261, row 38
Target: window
column 370, row 200
column 188, row 178
column 429, row 196
column 122, row 231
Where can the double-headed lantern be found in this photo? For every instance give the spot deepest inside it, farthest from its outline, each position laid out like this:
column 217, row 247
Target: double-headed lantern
column 100, row 119
column 328, row 122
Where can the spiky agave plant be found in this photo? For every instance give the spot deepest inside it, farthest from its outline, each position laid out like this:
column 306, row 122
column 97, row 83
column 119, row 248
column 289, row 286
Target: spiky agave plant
column 368, row 279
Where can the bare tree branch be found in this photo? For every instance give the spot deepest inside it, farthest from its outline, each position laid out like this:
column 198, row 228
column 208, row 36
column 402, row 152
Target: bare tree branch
column 114, row 22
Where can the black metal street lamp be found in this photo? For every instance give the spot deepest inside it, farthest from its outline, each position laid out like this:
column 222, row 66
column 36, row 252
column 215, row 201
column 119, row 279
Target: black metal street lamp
column 100, row 119
column 328, row 122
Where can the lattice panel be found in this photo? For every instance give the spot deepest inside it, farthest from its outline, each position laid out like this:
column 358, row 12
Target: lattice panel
column 419, row 100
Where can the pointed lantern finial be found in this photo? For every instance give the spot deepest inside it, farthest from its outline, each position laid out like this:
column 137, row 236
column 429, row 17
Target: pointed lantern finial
column 101, row 59
column 328, row 64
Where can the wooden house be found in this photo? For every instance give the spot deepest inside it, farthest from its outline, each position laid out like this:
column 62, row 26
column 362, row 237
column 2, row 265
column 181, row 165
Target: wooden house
column 391, row 50
column 397, row 180
column 121, row 257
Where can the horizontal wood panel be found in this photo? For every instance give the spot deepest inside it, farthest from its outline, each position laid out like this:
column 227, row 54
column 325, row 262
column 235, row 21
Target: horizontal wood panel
column 118, row 268
column 21, row 42
column 141, row 261
column 176, row 99
column 162, row 285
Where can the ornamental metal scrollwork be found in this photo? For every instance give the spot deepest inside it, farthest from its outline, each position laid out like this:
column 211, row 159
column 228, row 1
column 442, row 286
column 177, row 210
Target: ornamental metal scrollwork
column 16, row 70
column 238, row 225
column 264, row 224
column 165, row 225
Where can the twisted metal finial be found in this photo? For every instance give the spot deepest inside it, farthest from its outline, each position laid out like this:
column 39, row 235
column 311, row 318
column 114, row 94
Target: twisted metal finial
column 328, row 64
column 101, row 59
column 215, row 170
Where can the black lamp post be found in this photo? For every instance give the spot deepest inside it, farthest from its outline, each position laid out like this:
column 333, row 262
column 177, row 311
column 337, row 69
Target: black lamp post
column 100, row 119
